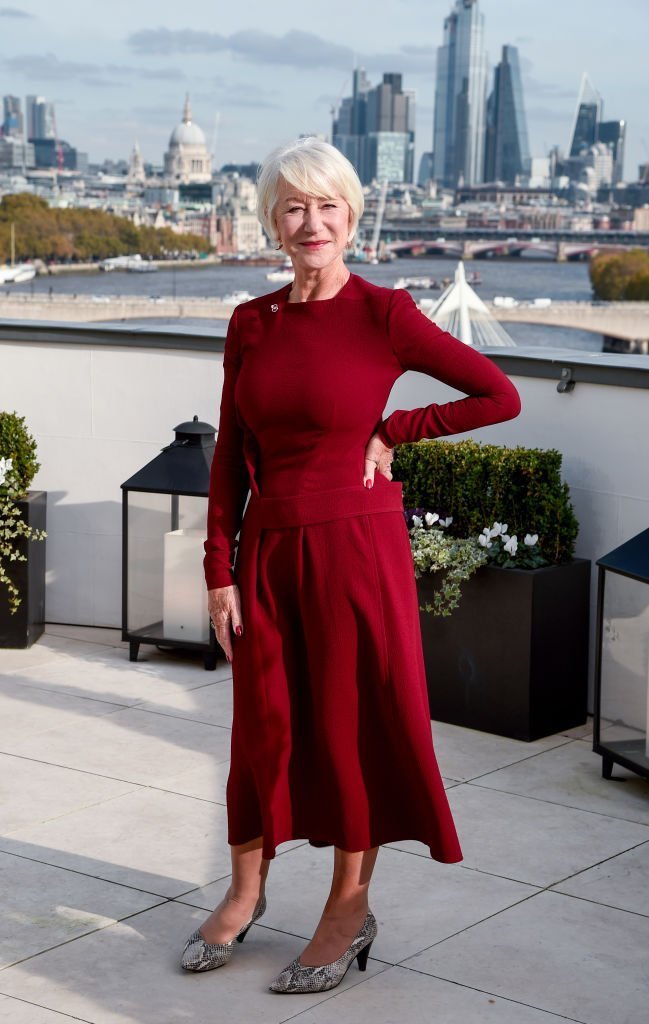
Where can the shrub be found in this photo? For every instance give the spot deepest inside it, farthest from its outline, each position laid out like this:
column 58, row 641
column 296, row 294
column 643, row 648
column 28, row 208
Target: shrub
column 479, row 484
column 17, row 444
column 621, row 276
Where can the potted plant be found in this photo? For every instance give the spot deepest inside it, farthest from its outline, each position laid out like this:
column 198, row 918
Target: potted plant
column 22, row 521
column 504, row 601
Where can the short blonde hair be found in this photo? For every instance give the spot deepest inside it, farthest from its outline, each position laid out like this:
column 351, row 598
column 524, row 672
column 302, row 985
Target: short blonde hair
column 314, row 167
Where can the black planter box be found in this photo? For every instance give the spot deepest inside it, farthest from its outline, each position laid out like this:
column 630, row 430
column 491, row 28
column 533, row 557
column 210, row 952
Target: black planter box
column 26, row 625
column 512, row 658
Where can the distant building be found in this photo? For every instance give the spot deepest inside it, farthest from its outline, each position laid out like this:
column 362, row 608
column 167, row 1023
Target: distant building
column 375, row 129
column 589, row 109
column 187, row 159
column 13, row 126
column 16, row 154
column 41, row 118
column 460, row 98
column 613, row 135
column 136, row 173
column 46, row 155
column 507, row 153
column 425, row 169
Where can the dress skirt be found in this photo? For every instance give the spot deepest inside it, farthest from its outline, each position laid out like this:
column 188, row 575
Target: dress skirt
column 331, row 732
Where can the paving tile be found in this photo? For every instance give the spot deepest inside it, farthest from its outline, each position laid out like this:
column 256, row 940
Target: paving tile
column 621, row 882
column 532, row 840
column 415, row 902
column 26, row 710
column 465, row 754
column 198, row 783
column 129, row 744
column 400, row 996
column 20, row 1012
column 43, row 906
column 572, row 775
column 211, row 703
column 32, row 792
column 156, row 841
column 106, row 636
column 141, row 982
column 555, row 952
column 105, row 673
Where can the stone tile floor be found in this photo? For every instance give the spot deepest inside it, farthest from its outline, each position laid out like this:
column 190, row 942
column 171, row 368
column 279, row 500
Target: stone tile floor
column 113, row 822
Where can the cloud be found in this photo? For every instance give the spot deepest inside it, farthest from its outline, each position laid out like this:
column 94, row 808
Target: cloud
column 14, row 12
column 48, row 67
column 249, row 95
column 295, row 49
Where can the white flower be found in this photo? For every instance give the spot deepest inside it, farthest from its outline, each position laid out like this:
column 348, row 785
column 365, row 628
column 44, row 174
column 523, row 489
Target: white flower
column 5, row 466
column 417, row 520
column 503, row 529
column 448, row 520
column 484, row 540
column 511, row 545
column 431, row 517
column 530, row 539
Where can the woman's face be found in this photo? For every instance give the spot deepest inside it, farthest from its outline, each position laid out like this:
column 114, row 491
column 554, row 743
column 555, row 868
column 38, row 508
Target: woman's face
column 313, row 231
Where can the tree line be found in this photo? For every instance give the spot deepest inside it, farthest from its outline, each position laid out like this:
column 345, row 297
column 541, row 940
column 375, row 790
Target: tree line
column 47, row 233
column 620, row 276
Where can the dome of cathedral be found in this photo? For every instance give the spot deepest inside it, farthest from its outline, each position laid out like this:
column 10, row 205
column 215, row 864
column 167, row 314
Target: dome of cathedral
column 187, row 134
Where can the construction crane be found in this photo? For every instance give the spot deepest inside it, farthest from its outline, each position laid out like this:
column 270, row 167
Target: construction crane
column 58, row 148
column 378, row 221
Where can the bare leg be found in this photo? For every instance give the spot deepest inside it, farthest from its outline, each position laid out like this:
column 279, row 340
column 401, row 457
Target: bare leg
column 249, row 871
column 345, row 909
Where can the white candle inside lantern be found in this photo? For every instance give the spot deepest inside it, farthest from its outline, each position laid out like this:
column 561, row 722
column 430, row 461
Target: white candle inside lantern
column 185, row 615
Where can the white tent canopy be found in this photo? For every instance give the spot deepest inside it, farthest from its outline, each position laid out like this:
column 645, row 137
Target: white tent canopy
column 464, row 315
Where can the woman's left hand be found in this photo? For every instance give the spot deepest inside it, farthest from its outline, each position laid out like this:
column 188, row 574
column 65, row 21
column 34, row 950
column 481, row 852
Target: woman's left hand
column 377, row 456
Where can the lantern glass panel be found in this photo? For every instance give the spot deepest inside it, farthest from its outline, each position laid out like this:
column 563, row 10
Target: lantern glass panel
column 625, row 665
column 148, row 520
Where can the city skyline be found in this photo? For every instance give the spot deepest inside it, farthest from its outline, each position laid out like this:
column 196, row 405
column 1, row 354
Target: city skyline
column 125, row 76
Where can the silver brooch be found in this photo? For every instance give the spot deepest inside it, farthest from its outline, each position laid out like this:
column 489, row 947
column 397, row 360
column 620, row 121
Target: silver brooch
column 274, row 307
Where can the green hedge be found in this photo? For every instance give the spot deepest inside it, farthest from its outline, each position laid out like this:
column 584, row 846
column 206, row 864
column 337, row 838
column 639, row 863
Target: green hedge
column 17, row 444
column 479, row 484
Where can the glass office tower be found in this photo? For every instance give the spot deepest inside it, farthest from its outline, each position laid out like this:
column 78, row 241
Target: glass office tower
column 507, row 148
column 589, row 110
column 460, row 98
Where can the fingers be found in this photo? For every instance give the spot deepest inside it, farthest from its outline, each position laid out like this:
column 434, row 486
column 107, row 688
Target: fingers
column 224, row 606
column 370, row 470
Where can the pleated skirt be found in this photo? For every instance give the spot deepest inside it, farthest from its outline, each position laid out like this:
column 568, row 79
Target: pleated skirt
column 331, row 731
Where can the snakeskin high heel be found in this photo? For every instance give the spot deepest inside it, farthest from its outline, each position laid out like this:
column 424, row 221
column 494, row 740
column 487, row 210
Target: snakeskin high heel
column 297, row 977
column 199, row 955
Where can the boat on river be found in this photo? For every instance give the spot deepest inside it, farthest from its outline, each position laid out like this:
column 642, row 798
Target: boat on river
column 20, row 273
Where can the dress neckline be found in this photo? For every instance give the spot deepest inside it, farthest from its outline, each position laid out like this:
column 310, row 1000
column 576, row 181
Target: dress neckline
column 311, row 302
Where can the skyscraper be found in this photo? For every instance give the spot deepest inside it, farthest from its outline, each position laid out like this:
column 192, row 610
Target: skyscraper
column 589, row 112
column 613, row 134
column 507, row 153
column 460, row 98
column 375, row 129
column 12, row 123
column 40, row 118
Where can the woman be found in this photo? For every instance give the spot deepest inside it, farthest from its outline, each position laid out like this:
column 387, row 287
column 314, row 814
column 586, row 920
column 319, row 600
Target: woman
column 331, row 737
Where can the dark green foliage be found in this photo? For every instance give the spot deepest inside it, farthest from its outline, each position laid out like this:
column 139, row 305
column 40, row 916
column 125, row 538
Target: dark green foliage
column 621, row 276
column 17, row 444
column 81, row 235
column 479, row 484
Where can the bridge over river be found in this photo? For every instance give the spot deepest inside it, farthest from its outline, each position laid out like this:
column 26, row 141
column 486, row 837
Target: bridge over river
column 626, row 321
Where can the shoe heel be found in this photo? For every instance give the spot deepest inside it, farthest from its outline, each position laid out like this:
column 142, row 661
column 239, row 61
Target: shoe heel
column 363, row 955
column 242, row 935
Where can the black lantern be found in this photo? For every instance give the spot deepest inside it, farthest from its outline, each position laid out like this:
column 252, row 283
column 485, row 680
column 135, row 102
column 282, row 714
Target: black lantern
column 621, row 726
column 164, row 514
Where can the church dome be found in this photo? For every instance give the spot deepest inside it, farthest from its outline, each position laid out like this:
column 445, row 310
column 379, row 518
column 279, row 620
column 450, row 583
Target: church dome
column 187, row 133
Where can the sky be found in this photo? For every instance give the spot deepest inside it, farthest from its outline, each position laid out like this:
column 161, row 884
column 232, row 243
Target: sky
column 259, row 74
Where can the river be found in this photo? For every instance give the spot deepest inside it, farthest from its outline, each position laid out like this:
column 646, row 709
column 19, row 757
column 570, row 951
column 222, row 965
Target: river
column 523, row 279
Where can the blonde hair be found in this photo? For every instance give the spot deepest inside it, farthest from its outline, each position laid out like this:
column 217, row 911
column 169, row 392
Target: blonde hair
column 315, row 168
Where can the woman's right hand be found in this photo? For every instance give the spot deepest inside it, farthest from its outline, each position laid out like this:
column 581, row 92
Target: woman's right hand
column 224, row 606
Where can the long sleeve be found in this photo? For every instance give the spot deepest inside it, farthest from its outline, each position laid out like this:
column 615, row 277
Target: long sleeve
column 420, row 345
column 229, row 483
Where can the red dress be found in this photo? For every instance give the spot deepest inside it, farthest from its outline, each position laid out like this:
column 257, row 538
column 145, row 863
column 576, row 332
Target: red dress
column 331, row 732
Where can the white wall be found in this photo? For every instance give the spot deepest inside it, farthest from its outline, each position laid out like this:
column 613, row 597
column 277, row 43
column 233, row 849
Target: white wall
column 99, row 413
